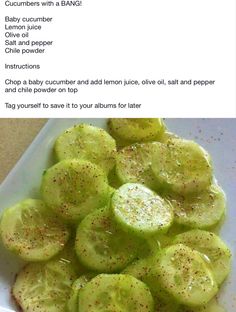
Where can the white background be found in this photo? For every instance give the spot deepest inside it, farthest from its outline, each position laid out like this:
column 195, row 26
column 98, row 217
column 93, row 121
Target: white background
column 171, row 39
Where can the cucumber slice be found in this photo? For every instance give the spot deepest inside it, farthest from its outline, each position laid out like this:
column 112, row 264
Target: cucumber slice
column 44, row 287
column 133, row 164
column 115, row 292
column 212, row 247
column 140, row 210
column 101, row 245
column 73, row 302
column 32, row 231
column 201, row 210
column 182, row 273
column 182, row 166
column 73, row 188
column 136, row 129
column 88, row 143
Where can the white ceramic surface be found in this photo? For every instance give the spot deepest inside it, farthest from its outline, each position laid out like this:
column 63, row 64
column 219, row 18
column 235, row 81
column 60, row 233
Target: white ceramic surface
column 218, row 136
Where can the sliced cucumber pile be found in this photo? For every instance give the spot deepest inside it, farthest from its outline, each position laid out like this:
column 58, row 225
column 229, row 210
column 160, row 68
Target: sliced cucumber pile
column 73, row 188
column 138, row 209
column 87, row 143
column 101, row 245
column 214, row 251
column 182, row 166
column 115, row 292
column 131, row 130
column 121, row 231
column 32, row 231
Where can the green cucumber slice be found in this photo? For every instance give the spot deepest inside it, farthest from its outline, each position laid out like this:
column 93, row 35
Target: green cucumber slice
column 202, row 210
column 133, row 164
column 101, row 245
column 73, row 188
column 115, row 292
column 33, row 231
column 44, row 287
column 182, row 166
column 136, row 129
column 139, row 210
column 182, row 273
column 88, row 143
column 73, row 302
column 212, row 247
